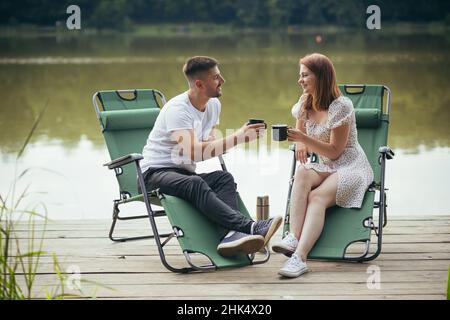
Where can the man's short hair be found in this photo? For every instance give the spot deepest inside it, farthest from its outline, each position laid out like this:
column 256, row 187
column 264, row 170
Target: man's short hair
column 196, row 65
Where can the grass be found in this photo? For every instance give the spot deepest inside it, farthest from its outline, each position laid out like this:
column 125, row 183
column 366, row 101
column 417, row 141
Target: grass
column 20, row 259
column 448, row 284
column 14, row 261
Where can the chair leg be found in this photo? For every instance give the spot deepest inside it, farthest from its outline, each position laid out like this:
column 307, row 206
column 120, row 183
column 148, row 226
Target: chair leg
column 385, row 210
column 265, row 259
column 287, row 215
column 160, row 245
column 116, row 217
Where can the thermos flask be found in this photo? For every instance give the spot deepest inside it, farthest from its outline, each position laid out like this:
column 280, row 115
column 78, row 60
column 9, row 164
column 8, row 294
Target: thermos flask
column 262, row 210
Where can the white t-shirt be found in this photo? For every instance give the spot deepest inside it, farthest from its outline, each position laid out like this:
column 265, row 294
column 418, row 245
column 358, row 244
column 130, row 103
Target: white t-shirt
column 177, row 114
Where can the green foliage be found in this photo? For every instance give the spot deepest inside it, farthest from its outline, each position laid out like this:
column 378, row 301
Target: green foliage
column 448, row 284
column 122, row 14
column 18, row 268
column 112, row 14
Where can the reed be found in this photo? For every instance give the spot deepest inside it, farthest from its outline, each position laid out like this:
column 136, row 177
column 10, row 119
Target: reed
column 19, row 256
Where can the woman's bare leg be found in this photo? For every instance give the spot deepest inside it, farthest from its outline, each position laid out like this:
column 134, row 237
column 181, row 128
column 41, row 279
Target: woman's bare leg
column 304, row 181
column 319, row 199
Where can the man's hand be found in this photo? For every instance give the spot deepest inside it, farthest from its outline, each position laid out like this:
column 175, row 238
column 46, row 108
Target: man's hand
column 250, row 132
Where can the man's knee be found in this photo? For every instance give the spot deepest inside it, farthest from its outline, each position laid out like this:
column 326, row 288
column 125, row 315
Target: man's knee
column 196, row 180
column 177, row 184
column 188, row 188
column 226, row 176
column 228, row 179
column 220, row 176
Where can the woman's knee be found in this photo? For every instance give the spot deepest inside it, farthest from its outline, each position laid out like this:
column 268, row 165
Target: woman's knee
column 303, row 177
column 322, row 197
column 316, row 196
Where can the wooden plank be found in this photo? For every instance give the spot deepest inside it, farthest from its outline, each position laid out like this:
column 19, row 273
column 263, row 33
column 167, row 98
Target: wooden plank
column 91, row 233
column 108, row 258
column 283, row 290
column 235, row 276
column 144, row 223
column 414, row 264
column 406, row 244
column 153, row 264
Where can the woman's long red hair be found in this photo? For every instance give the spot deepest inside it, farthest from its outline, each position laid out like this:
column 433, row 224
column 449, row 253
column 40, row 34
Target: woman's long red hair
column 326, row 89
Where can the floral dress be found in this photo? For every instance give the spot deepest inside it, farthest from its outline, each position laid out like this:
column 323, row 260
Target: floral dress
column 353, row 169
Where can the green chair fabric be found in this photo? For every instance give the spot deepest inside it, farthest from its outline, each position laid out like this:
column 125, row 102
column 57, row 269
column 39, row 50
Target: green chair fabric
column 142, row 99
column 367, row 118
column 129, row 119
column 365, row 96
column 200, row 234
column 125, row 132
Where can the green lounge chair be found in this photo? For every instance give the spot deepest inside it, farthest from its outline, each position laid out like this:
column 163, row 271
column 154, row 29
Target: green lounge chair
column 126, row 124
column 344, row 227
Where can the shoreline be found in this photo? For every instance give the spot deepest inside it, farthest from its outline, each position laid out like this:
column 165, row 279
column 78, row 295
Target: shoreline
column 217, row 30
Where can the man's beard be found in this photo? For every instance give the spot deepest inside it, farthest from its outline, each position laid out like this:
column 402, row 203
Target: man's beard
column 215, row 94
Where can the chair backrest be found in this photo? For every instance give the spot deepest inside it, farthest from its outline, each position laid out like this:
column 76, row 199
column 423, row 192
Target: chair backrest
column 141, row 99
column 371, row 120
column 126, row 124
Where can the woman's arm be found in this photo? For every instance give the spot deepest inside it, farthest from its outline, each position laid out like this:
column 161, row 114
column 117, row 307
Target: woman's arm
column 300, row 125
column 301, row 151
column 331, row 150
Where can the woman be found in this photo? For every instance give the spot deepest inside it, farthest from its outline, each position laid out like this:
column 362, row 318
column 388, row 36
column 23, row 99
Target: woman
column 326, row 126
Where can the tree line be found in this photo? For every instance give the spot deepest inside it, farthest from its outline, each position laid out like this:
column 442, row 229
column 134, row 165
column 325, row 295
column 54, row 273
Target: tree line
column 118, row 14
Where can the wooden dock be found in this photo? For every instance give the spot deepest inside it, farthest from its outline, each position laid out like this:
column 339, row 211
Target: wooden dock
column 414, row 264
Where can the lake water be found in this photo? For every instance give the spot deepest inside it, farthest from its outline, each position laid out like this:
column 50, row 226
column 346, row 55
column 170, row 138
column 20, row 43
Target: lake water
column 67, row 152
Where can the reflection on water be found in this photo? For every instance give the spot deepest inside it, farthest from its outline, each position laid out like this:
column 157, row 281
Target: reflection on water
column 261, row 74
column 80, row 188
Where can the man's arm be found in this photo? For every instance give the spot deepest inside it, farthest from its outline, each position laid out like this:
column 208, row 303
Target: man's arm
column 212, row 135
column 196, row 150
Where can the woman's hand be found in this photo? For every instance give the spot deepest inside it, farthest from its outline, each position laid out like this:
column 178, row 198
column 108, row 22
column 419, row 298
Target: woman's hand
column 301, row 152
column 295, row 135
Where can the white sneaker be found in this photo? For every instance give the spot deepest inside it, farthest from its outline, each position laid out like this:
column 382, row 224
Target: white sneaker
column 294, row 267
column 287, row 245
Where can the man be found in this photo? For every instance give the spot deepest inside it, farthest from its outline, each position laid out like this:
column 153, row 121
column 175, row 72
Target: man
column 183, row 135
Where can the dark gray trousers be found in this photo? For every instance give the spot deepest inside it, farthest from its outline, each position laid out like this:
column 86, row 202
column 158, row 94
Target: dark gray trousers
column 214, row 194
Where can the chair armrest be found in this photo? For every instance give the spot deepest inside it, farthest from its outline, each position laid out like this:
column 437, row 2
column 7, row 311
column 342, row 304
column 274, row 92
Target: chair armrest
column 119, row 162
column 387, row 152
